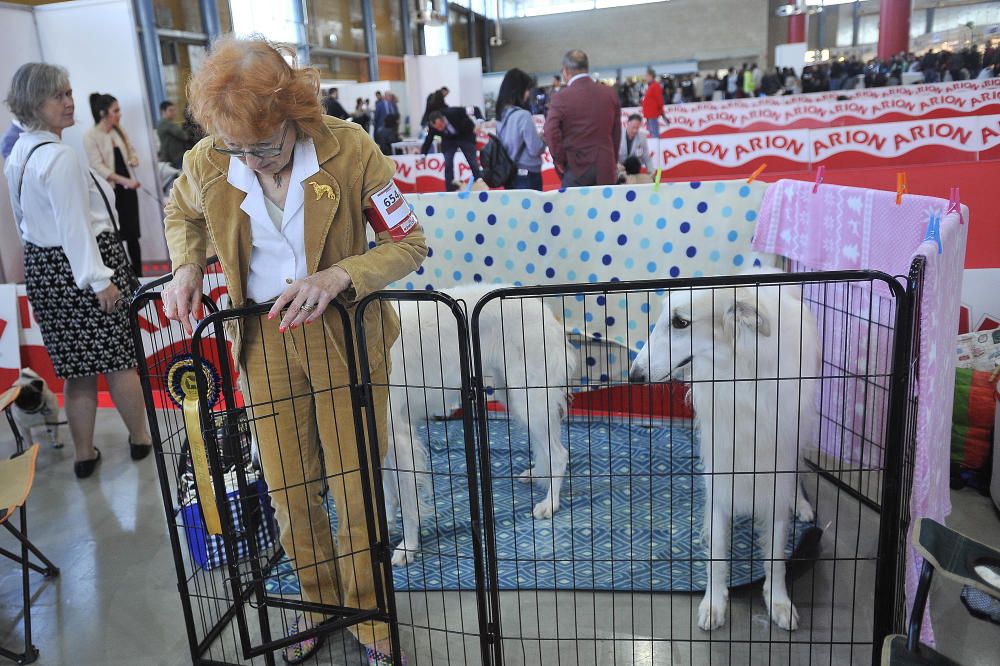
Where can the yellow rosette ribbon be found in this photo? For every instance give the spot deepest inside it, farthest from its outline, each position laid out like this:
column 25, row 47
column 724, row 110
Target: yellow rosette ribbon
column 183, row 387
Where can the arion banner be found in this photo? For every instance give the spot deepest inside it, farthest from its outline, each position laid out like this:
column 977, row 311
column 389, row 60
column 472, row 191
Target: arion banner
column 959, row 139
column 817, row 110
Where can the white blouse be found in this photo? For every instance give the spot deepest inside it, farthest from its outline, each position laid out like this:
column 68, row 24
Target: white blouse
column 60, row 205
column 278, row 257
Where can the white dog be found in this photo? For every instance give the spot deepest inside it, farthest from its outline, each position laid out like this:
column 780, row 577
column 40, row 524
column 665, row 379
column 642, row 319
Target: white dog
column 749, row 352
column 525, row 359
column 36, row 407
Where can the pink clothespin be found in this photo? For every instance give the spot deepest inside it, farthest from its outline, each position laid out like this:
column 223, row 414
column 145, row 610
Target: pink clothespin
column 820, row 172
column 955, row 205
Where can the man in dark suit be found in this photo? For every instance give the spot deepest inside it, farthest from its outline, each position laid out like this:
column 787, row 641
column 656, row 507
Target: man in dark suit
column 583, row 126
column 386, row 106
column 333, row 107
column 457, row 132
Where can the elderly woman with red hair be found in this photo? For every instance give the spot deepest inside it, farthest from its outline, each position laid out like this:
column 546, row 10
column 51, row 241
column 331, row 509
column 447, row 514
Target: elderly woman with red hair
column 284, row 194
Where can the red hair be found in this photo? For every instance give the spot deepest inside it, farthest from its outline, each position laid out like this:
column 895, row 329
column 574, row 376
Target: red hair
column 246, row 88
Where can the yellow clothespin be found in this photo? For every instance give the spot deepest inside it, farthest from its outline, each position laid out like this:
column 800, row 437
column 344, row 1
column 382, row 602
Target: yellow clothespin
column 901, row 187
column 756, row 173
column 656, row 181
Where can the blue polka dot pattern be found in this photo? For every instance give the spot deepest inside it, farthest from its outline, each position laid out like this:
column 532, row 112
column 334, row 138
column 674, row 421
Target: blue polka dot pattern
column 579, row 236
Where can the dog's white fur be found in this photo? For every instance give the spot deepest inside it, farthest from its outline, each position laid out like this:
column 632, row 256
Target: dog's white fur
column 746, row 351
column 525, row 358
column 36, row 408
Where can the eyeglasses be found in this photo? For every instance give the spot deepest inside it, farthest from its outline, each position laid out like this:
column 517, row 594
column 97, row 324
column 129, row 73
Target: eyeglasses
column 261, row 153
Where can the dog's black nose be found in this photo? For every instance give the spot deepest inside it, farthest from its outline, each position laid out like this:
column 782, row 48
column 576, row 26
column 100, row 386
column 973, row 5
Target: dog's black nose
column 637, row 376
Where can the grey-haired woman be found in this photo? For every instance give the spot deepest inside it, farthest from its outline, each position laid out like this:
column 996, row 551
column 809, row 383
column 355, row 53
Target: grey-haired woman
column 75, row 268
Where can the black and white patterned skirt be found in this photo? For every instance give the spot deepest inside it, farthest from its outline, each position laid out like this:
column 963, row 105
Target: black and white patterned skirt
column 81, row 339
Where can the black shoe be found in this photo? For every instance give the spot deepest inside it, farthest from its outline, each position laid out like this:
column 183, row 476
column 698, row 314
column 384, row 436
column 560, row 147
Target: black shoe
column 85, row 468
column 138, row 451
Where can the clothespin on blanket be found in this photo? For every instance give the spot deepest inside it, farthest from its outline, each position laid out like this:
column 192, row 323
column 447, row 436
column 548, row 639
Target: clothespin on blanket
column 656, row 181
column 901, row 187
column 934, row 229
column 955, row 205
column 820, row 172
column 756, row 173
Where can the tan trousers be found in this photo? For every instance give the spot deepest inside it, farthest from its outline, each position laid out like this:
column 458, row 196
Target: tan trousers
column 301, row 405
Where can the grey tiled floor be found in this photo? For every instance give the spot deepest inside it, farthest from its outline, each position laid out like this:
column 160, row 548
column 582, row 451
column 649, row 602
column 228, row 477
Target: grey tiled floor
column 116, row 601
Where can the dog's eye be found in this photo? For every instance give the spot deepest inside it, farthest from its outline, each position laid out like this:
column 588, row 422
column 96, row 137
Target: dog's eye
column 679, row 322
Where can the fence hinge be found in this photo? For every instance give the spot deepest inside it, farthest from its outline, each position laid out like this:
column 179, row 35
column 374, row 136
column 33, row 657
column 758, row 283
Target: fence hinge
column 492, row 633
column 364, row 391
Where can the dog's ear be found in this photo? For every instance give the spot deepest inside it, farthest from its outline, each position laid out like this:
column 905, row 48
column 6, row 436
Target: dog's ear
column 743, row 314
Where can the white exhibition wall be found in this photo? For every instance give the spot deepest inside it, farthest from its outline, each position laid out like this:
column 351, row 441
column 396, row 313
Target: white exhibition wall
column 96, row 41
column 470, row 76
column 18, row 46
column 424, row 75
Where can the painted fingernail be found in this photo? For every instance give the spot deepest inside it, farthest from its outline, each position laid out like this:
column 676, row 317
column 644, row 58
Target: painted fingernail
column 281, row 329
column 270, row 315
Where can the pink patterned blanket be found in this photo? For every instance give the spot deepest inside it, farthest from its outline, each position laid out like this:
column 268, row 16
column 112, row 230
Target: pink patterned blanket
column 843, row 228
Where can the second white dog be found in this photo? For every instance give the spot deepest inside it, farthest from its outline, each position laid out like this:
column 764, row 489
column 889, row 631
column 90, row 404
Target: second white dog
column 749, row 353
column 525, row 359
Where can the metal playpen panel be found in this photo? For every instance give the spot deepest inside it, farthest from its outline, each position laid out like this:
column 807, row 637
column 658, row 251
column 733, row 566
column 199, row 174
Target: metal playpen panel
column 535, row 505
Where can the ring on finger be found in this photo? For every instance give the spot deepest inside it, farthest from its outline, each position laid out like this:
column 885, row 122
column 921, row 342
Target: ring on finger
column 308, row 307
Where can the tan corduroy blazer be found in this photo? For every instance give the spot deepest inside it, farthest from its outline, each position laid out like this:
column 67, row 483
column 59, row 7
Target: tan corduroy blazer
column 204, row 207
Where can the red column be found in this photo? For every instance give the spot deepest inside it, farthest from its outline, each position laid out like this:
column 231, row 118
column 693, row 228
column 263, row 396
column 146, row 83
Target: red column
column 797, row 28
column 893, row 27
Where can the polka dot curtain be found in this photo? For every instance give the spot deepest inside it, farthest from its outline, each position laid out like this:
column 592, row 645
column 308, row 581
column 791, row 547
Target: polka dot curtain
column 586, row 235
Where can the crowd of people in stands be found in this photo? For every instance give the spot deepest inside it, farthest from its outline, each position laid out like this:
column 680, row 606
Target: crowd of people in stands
column 749, row 80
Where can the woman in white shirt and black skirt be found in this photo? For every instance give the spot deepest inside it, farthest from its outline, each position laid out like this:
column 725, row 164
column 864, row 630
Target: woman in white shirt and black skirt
column 75, row 267
column 113, row 157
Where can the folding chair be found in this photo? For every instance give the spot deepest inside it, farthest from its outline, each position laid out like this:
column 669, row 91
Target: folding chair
column 16, row 477
column 956, row 557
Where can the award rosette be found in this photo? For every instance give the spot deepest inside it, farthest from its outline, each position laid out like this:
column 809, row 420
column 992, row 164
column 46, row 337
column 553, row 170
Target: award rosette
column 182, row 387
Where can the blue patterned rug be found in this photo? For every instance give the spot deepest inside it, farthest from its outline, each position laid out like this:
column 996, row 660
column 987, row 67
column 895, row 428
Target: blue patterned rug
column 630, row 515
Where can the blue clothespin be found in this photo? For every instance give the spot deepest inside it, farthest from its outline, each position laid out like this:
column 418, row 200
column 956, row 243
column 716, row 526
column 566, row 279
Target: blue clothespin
column 934, row 230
